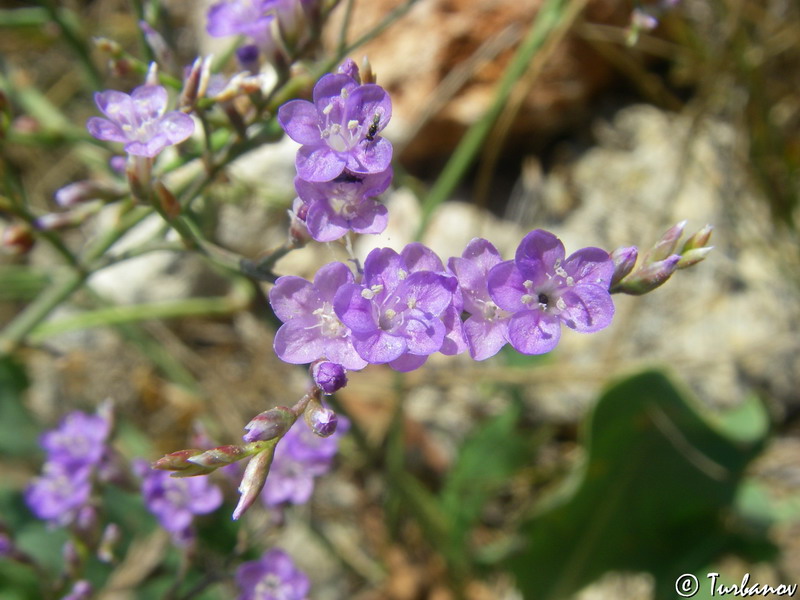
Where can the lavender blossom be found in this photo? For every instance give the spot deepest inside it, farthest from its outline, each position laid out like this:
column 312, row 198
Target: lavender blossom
column 311, row 330
column 139, row 120
column 251, row 18
column 175, row 501
column 272, row 577
column 59, row 494
column 339, row 130
column 81, row 590
column 79, row 441
column 486, row 329
column 543, row 290
column 300, row 457
column 343, row 204
column 395, row 313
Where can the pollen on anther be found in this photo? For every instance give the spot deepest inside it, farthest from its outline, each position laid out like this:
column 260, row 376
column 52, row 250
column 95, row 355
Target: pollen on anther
column 328, row 108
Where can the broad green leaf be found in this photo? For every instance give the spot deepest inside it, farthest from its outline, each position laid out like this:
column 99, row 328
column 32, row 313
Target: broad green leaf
column 656, row 487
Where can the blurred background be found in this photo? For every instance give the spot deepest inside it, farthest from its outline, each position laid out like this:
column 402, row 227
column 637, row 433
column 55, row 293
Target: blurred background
column 608, row 138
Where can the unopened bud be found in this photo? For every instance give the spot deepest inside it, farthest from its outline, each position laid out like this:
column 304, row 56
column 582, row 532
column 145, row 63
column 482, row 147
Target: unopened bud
column 367, row 74
column 350, row 68
column 649, row 277
column 108, row 46
column 692, row 257
column 17, row 239
column 249, row 57
column 152, row 74
column 219, row 456
column 87, row 190
column 157, row 44
column 179, row 462
column 81, row 590
column 255, row 475
column 328, row 376
column 320, row 419
column 67, row 219
column 269, row 424
column 169, row 203
column 108, row 541
column 298, row 231
column 624, row 260
column 138, row 170
column 665, row 247
column 698, row 240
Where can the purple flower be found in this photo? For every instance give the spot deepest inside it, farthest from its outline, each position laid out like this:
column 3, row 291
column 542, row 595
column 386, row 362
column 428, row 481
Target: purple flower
column 486, row 329
column 272, row 577
column 241, row 17
column 59, row 494
column 139, row 121
column 300, row 457
column 344, row 203
column 395, row 313
column 542, row 290
column 81, row 590
column 175, row 501
column 311, row 330
column 78, row 441
column 339, row 130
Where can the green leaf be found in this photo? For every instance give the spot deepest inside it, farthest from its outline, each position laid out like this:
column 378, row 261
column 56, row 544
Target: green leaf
column 655, row 489
column 18, row 431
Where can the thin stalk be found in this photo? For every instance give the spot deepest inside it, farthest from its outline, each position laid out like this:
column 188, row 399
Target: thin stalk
column 67, row 22
column 548, row 20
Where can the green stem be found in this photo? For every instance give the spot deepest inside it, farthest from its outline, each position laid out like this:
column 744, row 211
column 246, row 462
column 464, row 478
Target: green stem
column 67, row 22
column 550, row 16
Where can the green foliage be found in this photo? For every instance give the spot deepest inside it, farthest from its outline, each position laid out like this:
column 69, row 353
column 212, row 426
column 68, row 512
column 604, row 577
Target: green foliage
column 656, row 488
column 18, row 431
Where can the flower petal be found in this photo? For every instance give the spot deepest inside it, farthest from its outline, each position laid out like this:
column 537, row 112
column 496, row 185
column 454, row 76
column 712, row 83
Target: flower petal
column 538, row 253
column 300, row 121
column 319, row 163
column 299, row 341
column 588, row 308
column 176, row 126
column 149, row 102
column 380, row 347
column 485, row 338
column 505, row 286
column 105, row 130
column 370, row 156
column 534, row 332
column 590, row 265
column 293, row 297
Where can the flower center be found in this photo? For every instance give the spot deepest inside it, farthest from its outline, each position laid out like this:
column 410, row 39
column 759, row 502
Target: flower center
column 328, row 322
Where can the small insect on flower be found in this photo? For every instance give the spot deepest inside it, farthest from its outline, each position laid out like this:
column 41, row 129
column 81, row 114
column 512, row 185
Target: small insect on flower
column 373, row 129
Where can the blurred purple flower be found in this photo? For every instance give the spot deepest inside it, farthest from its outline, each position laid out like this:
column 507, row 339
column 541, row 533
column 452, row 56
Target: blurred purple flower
column 81, row 590
column 272, row 577
column 343, row 204
column 79, row 441
column 339, row 129
column 300, row 457
column 139, row 120
column 241, row 17
column 175, row 501
column 311, row 329
column 59, row 494
column 543, row 290
column 486, row 329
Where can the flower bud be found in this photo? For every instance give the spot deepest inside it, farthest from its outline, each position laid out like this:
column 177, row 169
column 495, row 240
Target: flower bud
column 108, row 541
column 624, row 260
column 350, row 68
column 298, row 231
column 269, row 424
column 666, row 245
column 67, row 219
column 249, row 58
column 169, row 203
column 649, row 277
column 694, row 256
column 698, row 240
column 255, row 475
column 328, row 376
column 321, row 420
column 179, row 462
column 81, row 590
column 161, row 51
column 80, row 192
column 17, row 239
column 219, row 456
column 151, row 78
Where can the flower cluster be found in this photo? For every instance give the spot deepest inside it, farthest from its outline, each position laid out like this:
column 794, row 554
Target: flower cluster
column 272, row 577
column 343, row 162
column 407, row 306
column 176, row 501
column 300, row 457
column 76, row 451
